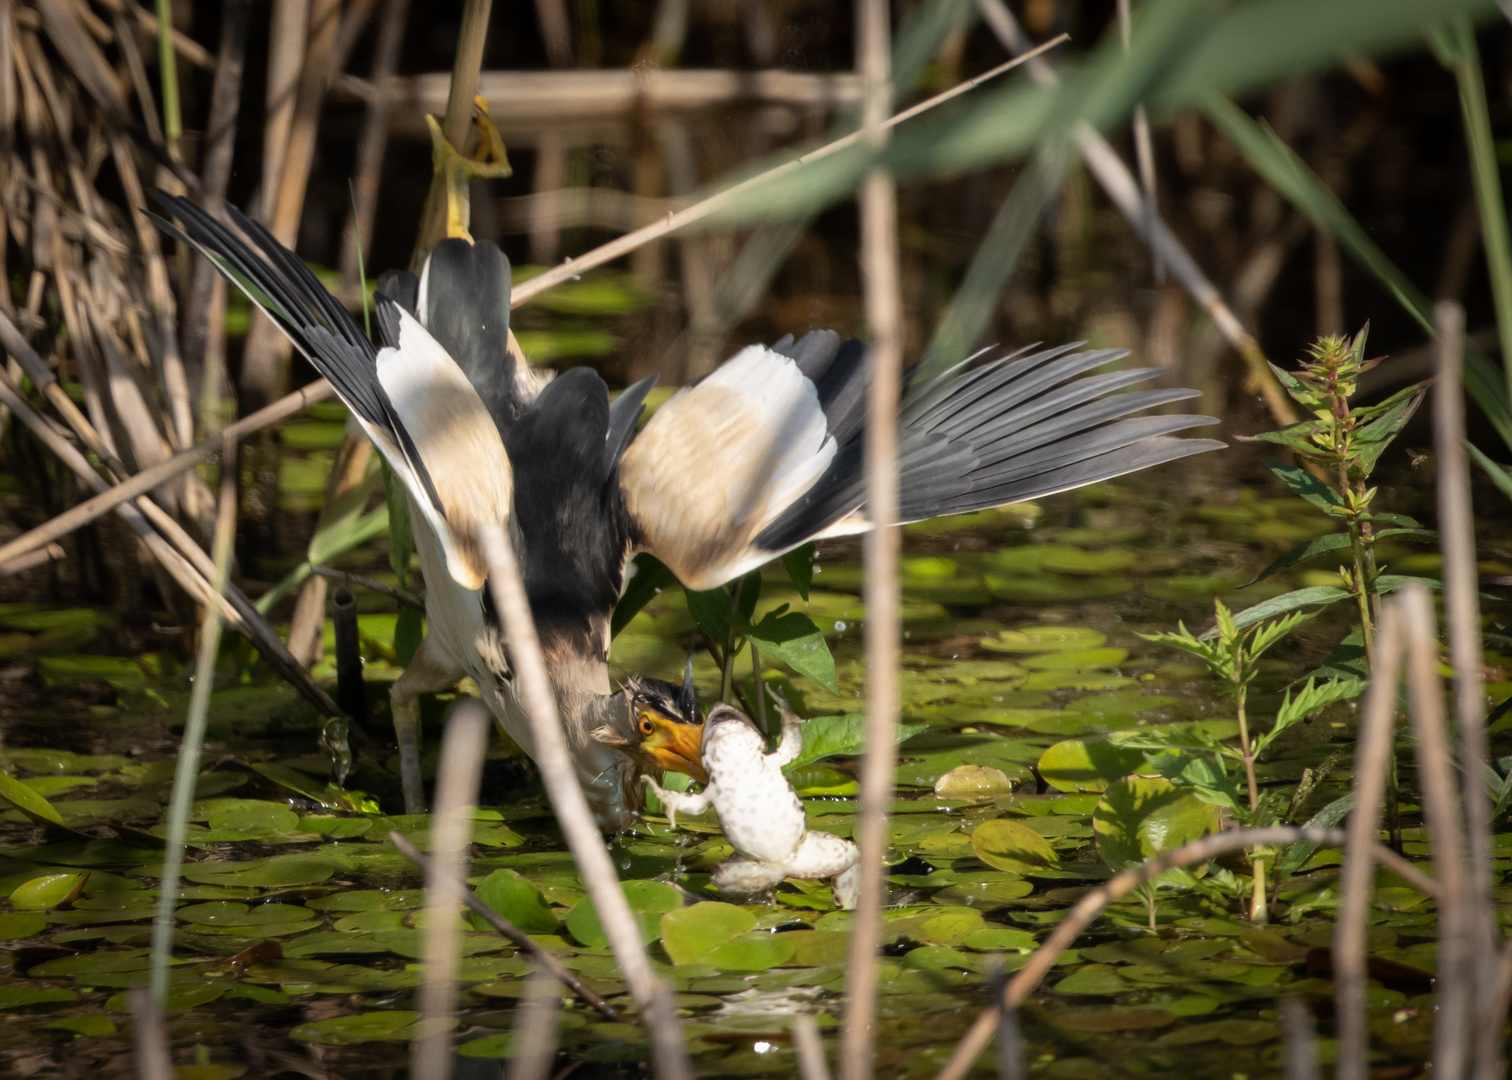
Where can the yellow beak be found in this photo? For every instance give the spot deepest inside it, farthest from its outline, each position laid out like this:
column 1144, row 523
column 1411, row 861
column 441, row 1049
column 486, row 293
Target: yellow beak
column 674, row 746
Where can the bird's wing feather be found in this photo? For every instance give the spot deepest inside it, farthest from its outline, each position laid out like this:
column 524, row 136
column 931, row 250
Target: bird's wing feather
column 719, row 460
column 454, row 437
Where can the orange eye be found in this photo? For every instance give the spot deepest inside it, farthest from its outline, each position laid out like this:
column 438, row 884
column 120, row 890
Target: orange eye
column 645, row 724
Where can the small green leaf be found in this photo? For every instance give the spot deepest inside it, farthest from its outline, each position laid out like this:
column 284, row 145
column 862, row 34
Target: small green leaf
column 830, row 736
column 1009, row 845
column 1325, row 818
column 799, row 564
column 1312, row 698
column 48, row 891
column 389, row 1026
column 1308, row 486
column 711, row 611
column 28, row 801
column 1389, row 417
column 1203, row 774
column 1314, row 596
column 794, row 639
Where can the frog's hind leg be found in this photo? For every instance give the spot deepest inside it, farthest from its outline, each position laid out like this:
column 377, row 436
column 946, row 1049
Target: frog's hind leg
column 746, row 877
column 823, row 855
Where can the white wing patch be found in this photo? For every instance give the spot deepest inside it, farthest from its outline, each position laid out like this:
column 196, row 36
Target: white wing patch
column 720, row 460
column 457, row 442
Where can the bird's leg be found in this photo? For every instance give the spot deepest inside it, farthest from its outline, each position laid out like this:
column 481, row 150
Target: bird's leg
column 459, row 170
column 680, row 802
column 792, row 733
column 430, row 671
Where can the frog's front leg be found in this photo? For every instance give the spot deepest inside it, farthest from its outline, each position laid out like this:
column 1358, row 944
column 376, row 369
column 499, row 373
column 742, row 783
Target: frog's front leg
column 792, row 733
column 680, row 802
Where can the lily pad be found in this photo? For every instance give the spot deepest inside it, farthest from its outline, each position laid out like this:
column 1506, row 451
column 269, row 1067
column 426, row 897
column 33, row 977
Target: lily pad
column 15, row 997
column 277, row 871
column 1077, row 660
column 1078, row 765
column 647, row 899
column 1098, row 1020
column 690, row 934
column 26, row 800
column 387, row 1026
column 1044, row 639
column 518, row 900
column 751, row 952
column 13, row 927
column 1009, row 845
column 48, row 891
column 972, row 782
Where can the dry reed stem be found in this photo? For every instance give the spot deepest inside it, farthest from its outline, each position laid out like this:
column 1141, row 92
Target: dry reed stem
column 113, row 496
column 33, row 559
column 1092, row 904
column 457, row 122
column 287, row 32
column 1438, row 784
column 1120, row 185
column 1299, row 1040
column 533, row 686
column 186, row 770
column 1462, row 624
column 521, row 940
column 526, row 291
column 371, row 144
column 183, row 44
column 1373, row 753
column 152, row 1056
column 809, row 1049
column 884, row 318
column 533, row 1048
column 451, row 827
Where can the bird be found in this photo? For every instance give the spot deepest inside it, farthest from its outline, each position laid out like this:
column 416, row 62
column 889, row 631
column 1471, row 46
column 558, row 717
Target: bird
column 755, row 459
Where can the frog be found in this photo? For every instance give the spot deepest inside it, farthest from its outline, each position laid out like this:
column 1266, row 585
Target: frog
column 760, row 813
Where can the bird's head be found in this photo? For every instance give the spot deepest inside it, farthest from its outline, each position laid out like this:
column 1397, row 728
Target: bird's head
column 663, row 726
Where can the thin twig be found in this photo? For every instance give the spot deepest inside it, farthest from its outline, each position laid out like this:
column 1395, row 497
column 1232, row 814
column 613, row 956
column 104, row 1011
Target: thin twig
column 526, row 291
column 403, row 596
column 588, row 852
column 147, row 479
column 1372, row 762
column 1092, row 904
column 31, row 560
column 186, row 771
column 1446, row 835
column 451, row 827
column 884, row 318
column 507, row 928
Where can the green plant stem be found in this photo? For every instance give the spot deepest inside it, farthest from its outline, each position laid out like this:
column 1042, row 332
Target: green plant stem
column 1464, row 61
column 1362, row 589
column 186, row 773
column 1259, row 911
column 173, row 123
column 728, row 664
column 1245, row 748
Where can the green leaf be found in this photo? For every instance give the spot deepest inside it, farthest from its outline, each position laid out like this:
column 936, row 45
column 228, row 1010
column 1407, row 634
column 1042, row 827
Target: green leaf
column 1295, row 437
column 1270, row 633
column 647, row 899
column 711, row 611
column 1302, row 552
column 1087, row 764
column 519, row 901
column 799, row 564
column 28, row 802
column 1312, row 698
column 1308, row 486
column 1499, row 474
column 1315, row 596
column 830, row 736
column 1009, row 845
column 794, row 639
column 1187, row 642
column 1141, row 818
column 1204, row 774
column 1325, row 818
column 387, row 1026
column 1488, row 386
column 751, row 952
column 1393, row 414
column 409, row 631
column 1347, row 660
column 690, row 934
column 647, row 576
column 47, row 891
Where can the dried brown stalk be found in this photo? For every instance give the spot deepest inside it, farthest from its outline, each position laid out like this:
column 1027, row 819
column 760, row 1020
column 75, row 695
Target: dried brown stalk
column 372, row 143
column 588, row 852
column 451, row 826
column 884, row 318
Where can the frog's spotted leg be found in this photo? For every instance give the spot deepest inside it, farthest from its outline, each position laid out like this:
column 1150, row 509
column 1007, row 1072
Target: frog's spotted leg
column 680, row 802
column 819, row 855
column 792, row 733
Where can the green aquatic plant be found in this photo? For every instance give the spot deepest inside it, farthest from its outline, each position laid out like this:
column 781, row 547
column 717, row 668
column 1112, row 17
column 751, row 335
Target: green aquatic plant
column 1339, row 448
column 1199, row 760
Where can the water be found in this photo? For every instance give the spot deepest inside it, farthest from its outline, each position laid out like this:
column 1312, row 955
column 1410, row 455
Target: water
column 298, row 937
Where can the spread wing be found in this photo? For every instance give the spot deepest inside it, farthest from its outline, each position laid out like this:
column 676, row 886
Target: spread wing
column 766, row 453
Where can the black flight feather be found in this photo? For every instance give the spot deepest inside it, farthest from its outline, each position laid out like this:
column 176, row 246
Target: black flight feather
column 624, row 413
column 465, row 297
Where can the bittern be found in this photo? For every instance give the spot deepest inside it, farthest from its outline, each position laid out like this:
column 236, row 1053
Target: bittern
column 733, row 470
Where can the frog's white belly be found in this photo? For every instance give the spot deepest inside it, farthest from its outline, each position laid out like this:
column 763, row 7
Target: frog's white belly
column 761, row 815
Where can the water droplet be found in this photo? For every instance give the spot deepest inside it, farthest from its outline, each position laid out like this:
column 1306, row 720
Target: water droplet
column 839, row 627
